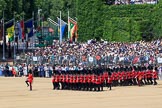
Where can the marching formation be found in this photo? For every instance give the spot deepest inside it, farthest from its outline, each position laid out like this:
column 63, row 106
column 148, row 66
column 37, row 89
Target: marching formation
column 97, row 78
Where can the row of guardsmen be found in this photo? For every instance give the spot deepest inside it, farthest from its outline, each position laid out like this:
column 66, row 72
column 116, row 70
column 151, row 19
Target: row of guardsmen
column 97, row 78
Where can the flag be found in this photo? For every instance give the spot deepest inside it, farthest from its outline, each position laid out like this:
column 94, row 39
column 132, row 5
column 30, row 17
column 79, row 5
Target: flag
column 19, row 30
column 29, row 27
column 1, row 30
column 53, row 27
column 22, row 29
column 73, row 28
column 10, row 30
column 63, row 25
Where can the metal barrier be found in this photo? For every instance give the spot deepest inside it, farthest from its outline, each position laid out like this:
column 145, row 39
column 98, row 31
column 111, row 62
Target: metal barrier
column 89, row 60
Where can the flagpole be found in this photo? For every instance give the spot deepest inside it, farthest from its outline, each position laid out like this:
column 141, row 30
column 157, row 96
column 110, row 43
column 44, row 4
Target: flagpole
column 26, row 38
column 23, row 36
column 14, row 41
column 60, row 29
column 17, row 36
column 33, row 33
column 68, row 26
column 3, row 39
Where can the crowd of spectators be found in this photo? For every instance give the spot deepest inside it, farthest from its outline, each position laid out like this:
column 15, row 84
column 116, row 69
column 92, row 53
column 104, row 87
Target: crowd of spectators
column 77, row 56
column 99, row 53
column 126, row 2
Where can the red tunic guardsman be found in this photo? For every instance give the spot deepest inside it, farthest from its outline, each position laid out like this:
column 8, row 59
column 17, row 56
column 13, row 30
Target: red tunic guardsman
column 81, row 78
column 74, row 79
column 63, row 79
column 109, row 83
column 120, row 78
column 105, row 74
column 77, row 78
column 93, row 81
column 155, row 76
column 71, row 79
column 145, row 77
column 90, row 81
column 86, row 81
column 148, row 74
column 139, row 78
column 29, row 81
column 57, row 79
column 117, row 78
column 134, row 77
column 53, row 81
column 84, row 78
column 98, row 80
column 67, row 79
column 81, row 81
column 149, row 77
column 103, row 79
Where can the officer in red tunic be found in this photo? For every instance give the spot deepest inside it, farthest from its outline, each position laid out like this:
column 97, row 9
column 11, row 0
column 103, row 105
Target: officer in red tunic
column 29, row 80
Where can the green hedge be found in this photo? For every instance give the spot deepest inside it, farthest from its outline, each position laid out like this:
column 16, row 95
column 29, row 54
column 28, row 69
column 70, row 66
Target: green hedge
column 119, row 22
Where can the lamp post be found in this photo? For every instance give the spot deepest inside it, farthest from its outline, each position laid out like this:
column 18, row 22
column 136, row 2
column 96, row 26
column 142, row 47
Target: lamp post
column 16, row 35
column 3, row 38
column 39, row 25
column 39, row 10
column 14, row 49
